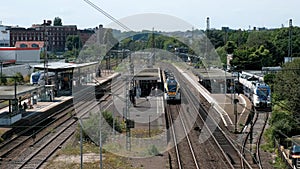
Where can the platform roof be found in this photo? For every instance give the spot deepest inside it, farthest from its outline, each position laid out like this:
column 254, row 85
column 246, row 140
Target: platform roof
column 8, row 92
column 58, row 66
column 148, row 74
column 208, row 74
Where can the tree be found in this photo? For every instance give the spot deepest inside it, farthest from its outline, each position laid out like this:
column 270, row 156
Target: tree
column 287, row 88
column 216, row 37
column 57, row 21
column 230, row 47
column 252, row 58
column 223, row 54
column 73, row 42
column 3, row 79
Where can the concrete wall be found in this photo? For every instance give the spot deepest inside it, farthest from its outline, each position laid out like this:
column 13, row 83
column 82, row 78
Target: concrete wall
column 20, row 55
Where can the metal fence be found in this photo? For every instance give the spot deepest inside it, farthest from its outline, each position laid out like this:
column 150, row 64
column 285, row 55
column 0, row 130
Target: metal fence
column 284, row 157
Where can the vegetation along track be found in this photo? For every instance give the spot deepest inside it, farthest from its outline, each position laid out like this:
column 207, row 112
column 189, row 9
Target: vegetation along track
column 257, row 127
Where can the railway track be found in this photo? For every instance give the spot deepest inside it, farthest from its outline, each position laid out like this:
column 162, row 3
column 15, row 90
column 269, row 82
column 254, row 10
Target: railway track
column 218, row 139
column 22, row 152
column 220, row 147
column 20, row 147
column 185, row 153
column 257, row 128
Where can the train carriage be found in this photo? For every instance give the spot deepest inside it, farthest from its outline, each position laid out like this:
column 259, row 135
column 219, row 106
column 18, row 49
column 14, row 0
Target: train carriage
column 171, row 88
column 258, row 92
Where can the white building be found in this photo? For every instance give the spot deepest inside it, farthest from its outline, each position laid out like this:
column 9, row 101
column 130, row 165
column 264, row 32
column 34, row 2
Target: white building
column 4, row 36
column 19, row 55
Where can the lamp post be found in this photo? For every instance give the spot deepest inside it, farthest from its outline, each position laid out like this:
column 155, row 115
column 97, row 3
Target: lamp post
column 100, row 133
column 1, row 70
column 81, row 140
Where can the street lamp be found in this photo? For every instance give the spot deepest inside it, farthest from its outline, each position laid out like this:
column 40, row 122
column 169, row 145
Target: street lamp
column 100, row 134
column 81, row 140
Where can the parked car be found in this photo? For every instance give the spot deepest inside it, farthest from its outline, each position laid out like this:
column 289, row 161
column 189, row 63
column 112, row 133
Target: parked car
column 295, row 151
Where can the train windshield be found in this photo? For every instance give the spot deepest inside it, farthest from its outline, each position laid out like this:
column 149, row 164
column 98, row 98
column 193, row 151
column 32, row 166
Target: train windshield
column 35, row 77
column 172, row 86
column 263, row 92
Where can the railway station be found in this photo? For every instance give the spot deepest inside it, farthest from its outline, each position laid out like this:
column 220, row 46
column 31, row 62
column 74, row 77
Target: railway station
column 146, row 80
column 16, row 106
column 65, row 75
column 214, row 80
column 26, row 100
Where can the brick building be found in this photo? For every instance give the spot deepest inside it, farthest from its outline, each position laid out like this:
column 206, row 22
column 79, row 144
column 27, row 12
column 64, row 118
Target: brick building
column 55, row 36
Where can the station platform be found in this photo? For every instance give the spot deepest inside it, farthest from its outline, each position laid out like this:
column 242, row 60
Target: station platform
column 223, row 103
column 148, row 109
column 38, row 108
column 42, row 107
column 108, row 75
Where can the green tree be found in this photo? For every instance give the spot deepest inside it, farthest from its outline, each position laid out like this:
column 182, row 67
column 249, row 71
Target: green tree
column 3, row 80
column 252, row 58
column 73, row 42
column 280, row 39
column 216, row 37
column 223, row 54
column 258, row 38
column 239, row 37
column 230, row 47
column 57, row 21
column 286, row 88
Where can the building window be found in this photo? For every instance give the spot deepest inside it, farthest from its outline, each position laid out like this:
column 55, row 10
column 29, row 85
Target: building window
column 35, row 45
column 23, row 45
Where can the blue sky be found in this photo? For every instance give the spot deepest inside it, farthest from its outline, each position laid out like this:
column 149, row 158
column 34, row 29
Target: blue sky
column 232, row 13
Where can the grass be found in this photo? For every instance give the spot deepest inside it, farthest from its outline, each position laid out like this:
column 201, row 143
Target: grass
column 73, row 149
column 279, row 164
column 144, row 133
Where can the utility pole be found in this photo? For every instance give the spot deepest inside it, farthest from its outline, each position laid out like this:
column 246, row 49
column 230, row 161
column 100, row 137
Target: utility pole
column 290, row 40
column 1, row 70
column 45, row 52
column 129, row 84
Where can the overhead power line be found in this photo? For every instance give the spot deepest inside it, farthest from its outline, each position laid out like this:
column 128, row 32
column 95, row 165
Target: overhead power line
column 108, row 15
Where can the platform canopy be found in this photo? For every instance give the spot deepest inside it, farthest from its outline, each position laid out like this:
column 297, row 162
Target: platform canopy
column 148, row 74
column 210, row 74
column 8, row 92
column 55, row 66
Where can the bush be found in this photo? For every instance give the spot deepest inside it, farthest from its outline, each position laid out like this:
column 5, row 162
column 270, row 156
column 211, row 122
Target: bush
column 153, row 150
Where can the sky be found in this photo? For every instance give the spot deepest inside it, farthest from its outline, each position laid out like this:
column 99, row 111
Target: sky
column 232, row 13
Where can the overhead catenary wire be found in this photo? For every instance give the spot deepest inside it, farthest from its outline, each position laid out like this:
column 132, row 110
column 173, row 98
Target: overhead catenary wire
column 108, row 15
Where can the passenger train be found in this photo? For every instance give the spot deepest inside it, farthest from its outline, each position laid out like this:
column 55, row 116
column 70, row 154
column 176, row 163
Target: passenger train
column 39, row 77
column 257, row 91
column 171, row 87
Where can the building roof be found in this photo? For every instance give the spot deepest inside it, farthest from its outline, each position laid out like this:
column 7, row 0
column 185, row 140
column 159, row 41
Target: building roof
column 55, row 66
column 8, row 92
column 62, row 65
column 148, row 74
column 207, row 74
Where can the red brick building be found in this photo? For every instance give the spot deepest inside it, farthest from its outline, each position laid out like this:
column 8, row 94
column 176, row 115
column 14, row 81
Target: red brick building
column 55, row 36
